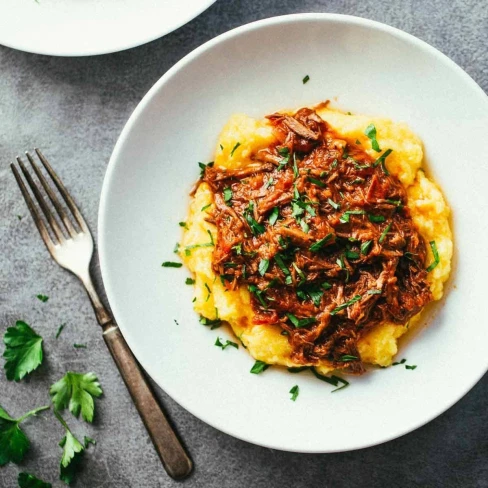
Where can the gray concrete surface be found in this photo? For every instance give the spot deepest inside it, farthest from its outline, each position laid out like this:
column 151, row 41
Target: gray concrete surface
column 75, row 109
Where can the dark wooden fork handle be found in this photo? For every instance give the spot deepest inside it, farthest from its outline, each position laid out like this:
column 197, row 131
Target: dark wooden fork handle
column 173, row 456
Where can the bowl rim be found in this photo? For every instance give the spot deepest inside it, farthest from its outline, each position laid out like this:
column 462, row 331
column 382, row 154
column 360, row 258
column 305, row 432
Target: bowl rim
column 147, row 99
column 123, row 45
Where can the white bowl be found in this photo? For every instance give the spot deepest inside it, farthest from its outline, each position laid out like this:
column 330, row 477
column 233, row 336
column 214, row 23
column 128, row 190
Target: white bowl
column 87, row 27
column 256, row 69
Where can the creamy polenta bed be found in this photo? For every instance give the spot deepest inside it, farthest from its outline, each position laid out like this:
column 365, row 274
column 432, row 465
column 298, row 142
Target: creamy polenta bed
column 317, row 237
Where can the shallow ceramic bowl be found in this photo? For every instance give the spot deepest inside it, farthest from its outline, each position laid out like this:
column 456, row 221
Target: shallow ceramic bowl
column 87, row 27
column 367, row 68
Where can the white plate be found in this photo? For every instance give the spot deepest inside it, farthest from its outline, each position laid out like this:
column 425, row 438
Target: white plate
column 87, row 27
column 256, row 69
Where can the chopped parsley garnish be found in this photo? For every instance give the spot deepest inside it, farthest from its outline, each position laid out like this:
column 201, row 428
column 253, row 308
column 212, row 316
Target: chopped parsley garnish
column 295, row 167
column 334, row 164
column 189, row 281
column 279, row 261
column 315, row 181
column 294, row 392
column 403, row 361
column 76, row 391
column 383, row 234
column 23, row 351
column 183, row 224
column 80, row 346
column 203, row 167
column 273, row 216
column 436, row 261
column 351, row 254
column 60, row 329
column 332, row 380
column 365, row 247
column 238, row 248
column 376, row 218
column 263, row 266
column 13, row 442
column 228, row 343
column 316, row 246
column 205, row 207
column 347, row 357
column 373, row 292
column 345, row 216
column 358, row 141
column 209, row 292
column 221, row 147
column 370, row 132
column 297, row 369
column 234, row 148
column 381, row 160
column 268, row 183
column 256, row 228
column 212, row 323
column 299, row 323
column 259, row 367
column 344, row 305
column 305, row 79
column 211, row 238
column 171, row 264
column 412, row 367
column 227, row 194
column 334, row 205
column 305, row 227
column 176, row 248
column 43, row 298
column 258, row 294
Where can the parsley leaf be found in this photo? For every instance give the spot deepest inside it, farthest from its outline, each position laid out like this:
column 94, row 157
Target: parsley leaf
column 316, row 246
column 294, row 392
column 263, row 266
column 365, row 247
column 259, row 367
column 227, row 194
column 370, row 132
column 347, row 357
column 13, row 442
column 436, row 261
column 298, row 323
column 76, row 391
column 234, row 148
column 72, row 453
column 43, row 298
column 27, row 480
column 23, row 352
column 344, row 305
column 273, row 216
column 189, row 281
column 60, row 329
column 305, row 79
column 228, row 343
column 171, row 264
column 381, row 160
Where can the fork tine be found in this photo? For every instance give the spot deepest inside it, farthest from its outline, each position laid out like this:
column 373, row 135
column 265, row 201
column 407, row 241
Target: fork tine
column 41, row 227
column 42, row 203
column 64, row 193
column 64, row 217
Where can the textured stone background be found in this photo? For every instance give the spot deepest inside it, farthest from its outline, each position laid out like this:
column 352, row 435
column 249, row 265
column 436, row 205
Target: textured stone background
column 75, row 109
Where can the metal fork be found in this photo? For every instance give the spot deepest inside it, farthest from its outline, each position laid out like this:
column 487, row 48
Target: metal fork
column 72, row 249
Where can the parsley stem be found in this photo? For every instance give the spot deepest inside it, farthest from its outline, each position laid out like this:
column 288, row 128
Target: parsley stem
column 32, row 412
column 63, row 422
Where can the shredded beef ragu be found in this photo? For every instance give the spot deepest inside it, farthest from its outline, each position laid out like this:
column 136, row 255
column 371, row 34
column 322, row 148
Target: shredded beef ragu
column 343, row 235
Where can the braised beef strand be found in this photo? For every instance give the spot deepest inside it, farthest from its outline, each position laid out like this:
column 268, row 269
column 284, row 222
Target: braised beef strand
column 320, row 234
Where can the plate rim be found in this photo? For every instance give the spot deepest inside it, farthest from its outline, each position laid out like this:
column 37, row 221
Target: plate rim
column 123, row 46
column 341, row 18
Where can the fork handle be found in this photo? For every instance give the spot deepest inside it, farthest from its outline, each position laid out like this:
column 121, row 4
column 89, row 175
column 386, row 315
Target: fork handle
column 173, row 456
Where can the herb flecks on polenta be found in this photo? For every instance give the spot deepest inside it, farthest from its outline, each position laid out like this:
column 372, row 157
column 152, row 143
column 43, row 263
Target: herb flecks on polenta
column 318, row 234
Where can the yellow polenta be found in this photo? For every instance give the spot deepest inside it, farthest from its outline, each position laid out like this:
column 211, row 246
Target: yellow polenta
column 428, row 208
